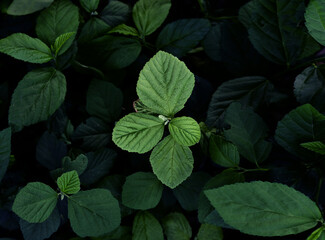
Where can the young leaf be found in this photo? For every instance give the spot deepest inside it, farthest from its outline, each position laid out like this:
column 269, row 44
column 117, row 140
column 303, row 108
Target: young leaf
column 181, row 36
column 171, row 162
column 146, row 226
column 93, row 212
column 59, row 18
column 79, row 165
column 264, row 209
column 37, row 97
column 148, row 15
column 89, row 5
column 5, row 150
column 247, row 131
column 165, row 84
column 222, row 152
column 115, row 13
column 176, row 227
column 316, row 234
column 185, row 130
column 69, row 182
column 138, row 132
column 23, row 7
column 141, row 191
column 211, row 232
column 315, row 20
column 125, row 30
column 35, row 202
column 26, row 48
column 104, row 100
column 61, row 45
column 316, row 146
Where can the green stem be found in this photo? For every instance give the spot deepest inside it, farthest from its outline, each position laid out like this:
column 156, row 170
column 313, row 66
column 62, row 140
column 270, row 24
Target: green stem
column 97, row 71
column 319, row 186
column 244, row 170
column 222, row 18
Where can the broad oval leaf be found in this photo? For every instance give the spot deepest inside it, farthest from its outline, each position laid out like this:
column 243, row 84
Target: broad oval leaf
column 138, row 132
column 171, row 162
column 69, row 182
column 24, row 7
column 181, row 36
column 315, row 20
column 148, row 15
column 264, row 208
column 26, row 48
column 177, row 227
column 35, row 202
column 165, row 84
column 41, row 92
column 115, row 13
column 141, row 191
column 146, row 226
column 185, row 130
column 89, row 5
column 5, row 150
column 93, row 212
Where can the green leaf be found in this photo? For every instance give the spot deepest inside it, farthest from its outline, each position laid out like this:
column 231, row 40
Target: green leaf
column 247, row 131
column 24, row 7
column 61, row 45
column 138, row 132
column 89, row 5
column 274, row 24
column 38, row 95
column 211, row 232
column 171, row 162
column 300, row 126
column 176, row 227
column 185, row 130
column 165, row 84
column 93, row 212
column 148, row 15
column 69, row 182
column 222, row 152
column 141, row 191
column 316, row 146
column 249, row 91
column 59, row 18
column 104, row 100
column 35, row 202
column 92, row 29
column 264, row 209
column 146, row 226
column 315, row 20
column 316, row 234
column 26, row 48
column 79, row 165
column 181, row 36
column 5, row 150
column 115, row 13
column 125, row 30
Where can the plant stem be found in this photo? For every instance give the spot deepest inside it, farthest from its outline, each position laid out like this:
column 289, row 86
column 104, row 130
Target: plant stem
column 319, row 186
column 221, row 18
column 244, row 170
column 97, row 71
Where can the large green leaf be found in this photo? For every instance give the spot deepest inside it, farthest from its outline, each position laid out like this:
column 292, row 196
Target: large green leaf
column 211, row 232
column 61, row 17
column 5, row 149
column 138, row 132
column 315, row 20
column 247, row 131
column 301, row 125
column 148, row 15
column 93, row 212
column 115, row 13
column 35, row 202
column 146, row 226
column 181, row 36
column 274, row 24
column 37, row 97
column 316, row 146
column 69, row 183
column 177, row 227
column 26, row 48
column 171, row 162
column 249, row 91
column 24, row 7
column 185, row 130
column 264, row 209
column 141, row 191
column 104, row 100
column 165, row 84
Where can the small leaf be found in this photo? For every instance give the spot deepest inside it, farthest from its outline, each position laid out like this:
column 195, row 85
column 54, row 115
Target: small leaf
column 125, row 30
column 141, row 191
column 146, row 226
column 264, row 209
column 23, row 7
column 138, row 132
column 35, row 202
column 176, row 227
column 315, row 20
column 61, row 45
column 165, row 84
column 26, row 48
column 148, row 15
column 5, row 150
column 171, row 162
column 92, row 29
column 316, row 146
column 69, row 182
column 211, row 232
column 115, row 13
column 89, row 5
column 315, row 235
column 79, row 164
column 185, row 130
column 93, row 212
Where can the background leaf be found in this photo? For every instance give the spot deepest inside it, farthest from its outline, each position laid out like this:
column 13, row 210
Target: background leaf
column 89, row 5
column 211, row 232
column 316, row 146
column 24, row 7
column 315, row 20
column 146, row 226
column 125, row 30
column 5, row 150
column 115, row 13
column 176, row 227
